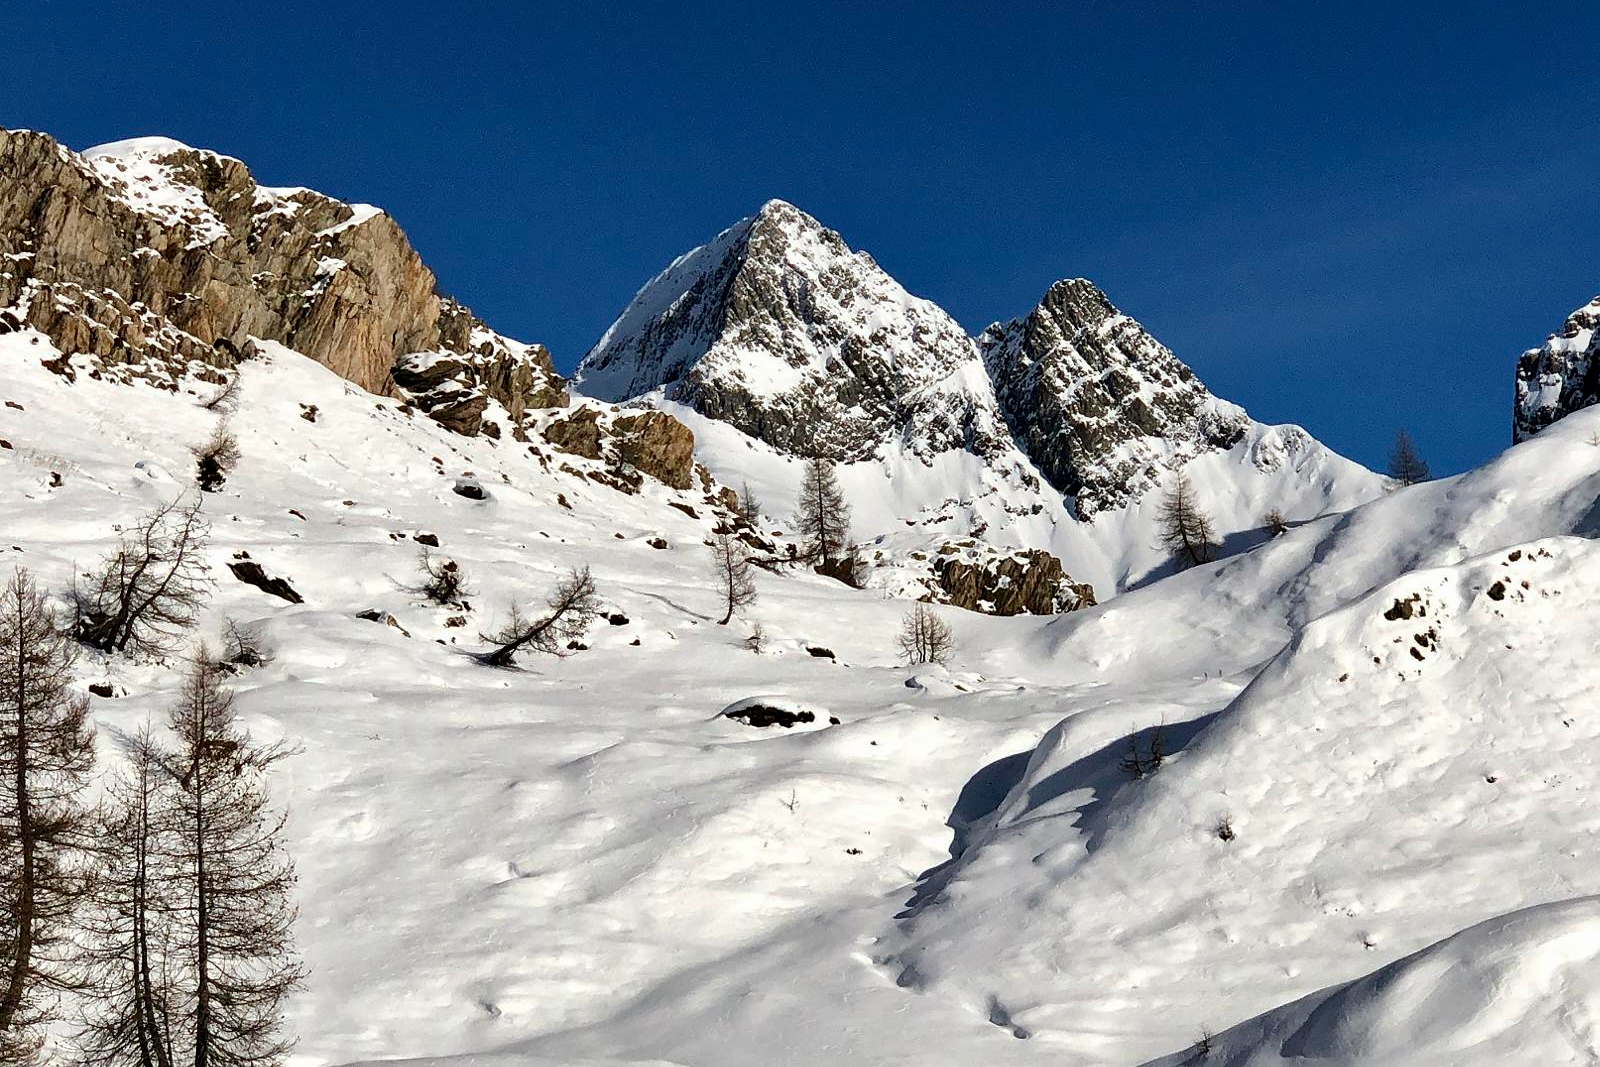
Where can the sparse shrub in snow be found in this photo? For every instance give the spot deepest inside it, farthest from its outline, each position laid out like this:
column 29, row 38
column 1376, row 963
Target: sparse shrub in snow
column 1406, row 466
column 1139, row 763
column 46, row 758
column 1275, row 523
column 1224, row 828
column 226, row 397
column 242, row 646
column 730, row 559
column 926, row 638
column 443, row 580
column 573, row 606
column 1184, row 529
column 1203, row 1045
column 148, row 592
column 216, row 458
column 757, row 641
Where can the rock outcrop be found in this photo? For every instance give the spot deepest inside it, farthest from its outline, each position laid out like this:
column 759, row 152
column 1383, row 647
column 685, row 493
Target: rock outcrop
column 647, row 442
column 1560, row 376
column 976, row 576
column 1100, row 406
column 149, row 254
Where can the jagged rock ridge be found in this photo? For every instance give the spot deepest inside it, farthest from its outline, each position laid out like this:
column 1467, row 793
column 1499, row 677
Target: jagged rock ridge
column 780, row 329
column 1099, row 405
column 149, row 254
column 1560, row 376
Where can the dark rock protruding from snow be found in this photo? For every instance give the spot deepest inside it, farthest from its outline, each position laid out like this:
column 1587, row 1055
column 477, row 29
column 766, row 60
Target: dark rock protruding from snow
column 780, row 329
column 1560, row 376
column 1099, row 405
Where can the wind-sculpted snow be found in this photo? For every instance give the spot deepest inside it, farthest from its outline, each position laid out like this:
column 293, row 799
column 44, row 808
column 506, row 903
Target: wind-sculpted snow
column 1415, row 759
column 1522, row 988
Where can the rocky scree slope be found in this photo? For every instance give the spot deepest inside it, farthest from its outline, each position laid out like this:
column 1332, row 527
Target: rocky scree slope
column 149, row 254
column 1560, row 376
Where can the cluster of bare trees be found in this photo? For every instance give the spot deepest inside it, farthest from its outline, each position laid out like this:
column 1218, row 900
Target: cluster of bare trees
column 926, row 638
column 217, row 456
column 163, row 910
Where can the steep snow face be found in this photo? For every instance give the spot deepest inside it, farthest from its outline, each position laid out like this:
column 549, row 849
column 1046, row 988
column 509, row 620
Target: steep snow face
column 780, row 329
column 1518, row 988
column 1099, row 405
column 1560, row 376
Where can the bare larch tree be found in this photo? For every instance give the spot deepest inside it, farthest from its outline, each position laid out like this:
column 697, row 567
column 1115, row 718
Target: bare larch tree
column 148, row 592
column 749, row 506
column 926, row 638
column 46, row 758
column 1184, row 529
column 570, row 610
column 1406, row 465
column 730, row 559
column 823, row 518
column 132, row 1013
column 236, row 934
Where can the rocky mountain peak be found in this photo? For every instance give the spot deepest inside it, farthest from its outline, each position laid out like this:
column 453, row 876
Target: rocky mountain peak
column 148, row 254
column 1099, row 404
column 778, row 327
column 1560, row 376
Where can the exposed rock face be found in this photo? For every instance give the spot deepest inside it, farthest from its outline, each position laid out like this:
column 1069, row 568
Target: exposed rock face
column 650, row 442
column 778, row 328
column 658, row 445
column 979, row 578
column 1560, row 376
column 148, row 254
column 1098, row 404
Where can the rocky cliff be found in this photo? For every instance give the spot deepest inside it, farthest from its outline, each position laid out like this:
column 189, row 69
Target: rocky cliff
column 1099, row 405
column 148, row 254
column 1560, row 376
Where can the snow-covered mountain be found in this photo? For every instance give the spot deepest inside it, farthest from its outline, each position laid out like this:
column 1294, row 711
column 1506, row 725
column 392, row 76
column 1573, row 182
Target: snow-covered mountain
column 1561, row 375
column 1052, row 432
column 780, row 329
column 1326, row 800
column 1103, row 408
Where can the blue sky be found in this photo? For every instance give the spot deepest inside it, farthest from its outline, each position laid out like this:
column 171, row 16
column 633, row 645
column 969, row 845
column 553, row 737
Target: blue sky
column 1343, row 215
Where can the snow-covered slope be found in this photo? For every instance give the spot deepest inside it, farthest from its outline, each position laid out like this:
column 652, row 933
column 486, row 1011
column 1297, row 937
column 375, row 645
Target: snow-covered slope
column 1518, row 988
column 1416, row 758
column 1560, row 376
column 777, row 330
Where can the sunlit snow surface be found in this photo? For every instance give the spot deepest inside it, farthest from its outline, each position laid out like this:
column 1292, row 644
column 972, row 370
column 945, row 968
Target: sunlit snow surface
column 581, row 862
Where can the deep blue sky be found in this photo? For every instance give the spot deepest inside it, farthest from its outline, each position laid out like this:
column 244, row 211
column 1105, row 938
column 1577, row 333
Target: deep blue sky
column 1342, row 215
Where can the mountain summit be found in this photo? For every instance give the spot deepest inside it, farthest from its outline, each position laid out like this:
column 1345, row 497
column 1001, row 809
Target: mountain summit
column 779, row 328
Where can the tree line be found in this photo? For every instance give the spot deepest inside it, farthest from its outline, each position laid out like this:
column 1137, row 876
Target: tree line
column 150, row 925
